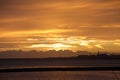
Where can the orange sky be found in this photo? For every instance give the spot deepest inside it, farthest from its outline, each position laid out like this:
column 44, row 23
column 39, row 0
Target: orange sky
column 90, row 25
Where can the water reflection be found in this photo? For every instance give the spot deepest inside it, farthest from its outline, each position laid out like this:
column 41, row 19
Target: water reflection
column 60, row 75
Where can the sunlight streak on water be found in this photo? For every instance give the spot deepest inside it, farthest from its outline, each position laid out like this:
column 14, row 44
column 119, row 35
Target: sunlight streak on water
column 59, row 75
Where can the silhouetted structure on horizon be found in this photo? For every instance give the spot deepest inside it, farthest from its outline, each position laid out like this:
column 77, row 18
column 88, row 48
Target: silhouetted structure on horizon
column 79, row 54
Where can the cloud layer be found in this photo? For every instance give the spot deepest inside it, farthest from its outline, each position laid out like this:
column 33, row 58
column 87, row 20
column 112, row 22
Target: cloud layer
column 97, row 20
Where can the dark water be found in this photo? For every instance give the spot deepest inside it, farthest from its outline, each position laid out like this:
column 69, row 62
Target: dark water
column 59, row 75
column 81, row 75
column 13, row 63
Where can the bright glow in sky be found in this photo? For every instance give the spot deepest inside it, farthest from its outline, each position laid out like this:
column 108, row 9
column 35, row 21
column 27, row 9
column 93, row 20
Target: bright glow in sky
column 90, row 25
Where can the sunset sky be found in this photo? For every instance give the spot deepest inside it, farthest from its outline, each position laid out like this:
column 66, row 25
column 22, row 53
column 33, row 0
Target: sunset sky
column 90, row 25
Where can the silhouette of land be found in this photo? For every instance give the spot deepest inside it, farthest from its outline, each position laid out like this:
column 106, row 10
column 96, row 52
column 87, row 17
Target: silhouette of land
column 81, row 60
column 16, row 54
column 61, row 69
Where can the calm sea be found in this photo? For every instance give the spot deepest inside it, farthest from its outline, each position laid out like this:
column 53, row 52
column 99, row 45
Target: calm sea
column 62, row 75
column 59, row 75
column 16, row 63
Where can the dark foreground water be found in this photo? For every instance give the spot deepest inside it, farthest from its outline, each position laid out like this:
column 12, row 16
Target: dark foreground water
column 64, row 75
column 18, row 63
column 59, row 75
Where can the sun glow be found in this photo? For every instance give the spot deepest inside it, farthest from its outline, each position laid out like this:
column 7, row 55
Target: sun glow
column 99, row 46
column 56, row 46
column 59, row 46
column 67, row 43
column 85, row 43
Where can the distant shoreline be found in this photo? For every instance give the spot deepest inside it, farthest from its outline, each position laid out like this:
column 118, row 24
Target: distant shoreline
column 61, row 69
column 77, row 57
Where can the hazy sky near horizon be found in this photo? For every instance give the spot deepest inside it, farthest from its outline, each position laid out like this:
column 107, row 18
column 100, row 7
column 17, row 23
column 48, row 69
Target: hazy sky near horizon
column 60, row 24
